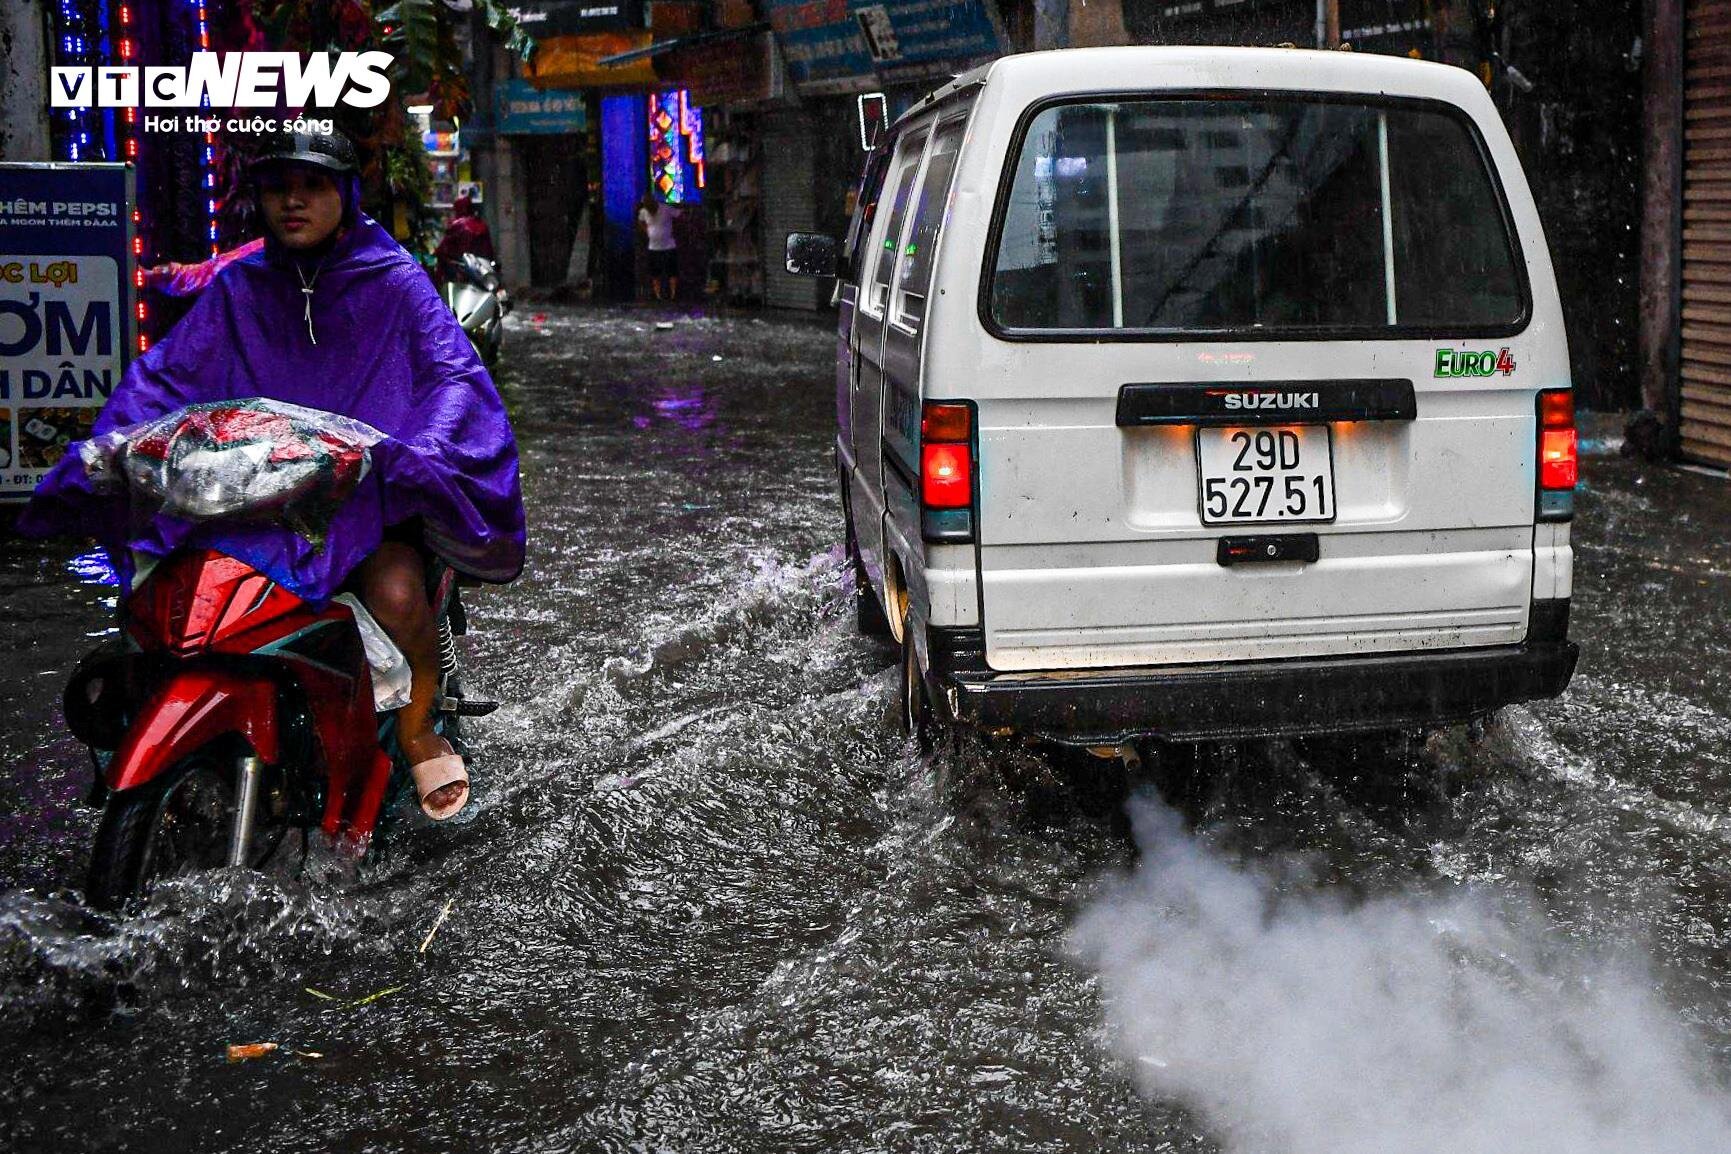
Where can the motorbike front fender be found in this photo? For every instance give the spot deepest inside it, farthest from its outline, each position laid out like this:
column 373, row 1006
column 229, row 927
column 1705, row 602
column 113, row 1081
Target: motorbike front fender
column 192, row 709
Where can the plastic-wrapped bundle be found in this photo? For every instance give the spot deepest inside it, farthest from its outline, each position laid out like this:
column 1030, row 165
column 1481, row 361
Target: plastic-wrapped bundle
column 255, row 459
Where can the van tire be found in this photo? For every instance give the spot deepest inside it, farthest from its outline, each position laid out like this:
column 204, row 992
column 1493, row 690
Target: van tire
column 869, row 617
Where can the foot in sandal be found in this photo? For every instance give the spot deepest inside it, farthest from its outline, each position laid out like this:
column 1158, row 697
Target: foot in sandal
column 441, row 782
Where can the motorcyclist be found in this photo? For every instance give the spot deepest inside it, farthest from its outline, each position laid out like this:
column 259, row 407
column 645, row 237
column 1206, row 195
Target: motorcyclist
column 466, row 233
column 333, row 315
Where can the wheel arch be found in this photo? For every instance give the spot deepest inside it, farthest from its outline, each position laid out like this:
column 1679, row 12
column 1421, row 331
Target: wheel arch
column 188, row 712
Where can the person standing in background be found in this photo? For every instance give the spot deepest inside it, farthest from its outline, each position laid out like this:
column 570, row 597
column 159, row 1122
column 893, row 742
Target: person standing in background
column 577, row 220
column 656, row 221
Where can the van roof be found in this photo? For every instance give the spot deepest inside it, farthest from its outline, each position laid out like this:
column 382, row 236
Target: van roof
column 1031, row 76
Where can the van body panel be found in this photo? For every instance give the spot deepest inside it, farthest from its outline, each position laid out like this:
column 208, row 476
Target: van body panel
column 871, row 348
column 953, row 584
column 1057, row 607
column 1061, row 476
column 1553, row 562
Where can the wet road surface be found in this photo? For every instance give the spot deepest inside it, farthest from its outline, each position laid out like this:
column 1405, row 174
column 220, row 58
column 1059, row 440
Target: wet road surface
column 710, row 901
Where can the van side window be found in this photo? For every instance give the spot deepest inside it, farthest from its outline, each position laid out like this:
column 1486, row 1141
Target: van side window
column 887, row 236
column 1262, row 215
column 929, row 213
column 865, row 212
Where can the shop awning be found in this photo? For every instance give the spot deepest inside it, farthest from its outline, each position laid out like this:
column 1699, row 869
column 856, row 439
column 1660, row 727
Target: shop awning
column 581, row 62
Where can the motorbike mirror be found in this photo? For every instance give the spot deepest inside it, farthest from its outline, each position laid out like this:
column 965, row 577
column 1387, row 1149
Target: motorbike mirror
column 811, row 254
column 481, row 270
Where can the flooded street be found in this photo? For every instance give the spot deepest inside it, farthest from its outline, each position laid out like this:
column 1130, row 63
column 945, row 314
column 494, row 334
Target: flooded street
column 711, row 901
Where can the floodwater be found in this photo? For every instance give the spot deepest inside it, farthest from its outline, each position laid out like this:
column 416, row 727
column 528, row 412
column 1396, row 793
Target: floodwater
column 709, row 900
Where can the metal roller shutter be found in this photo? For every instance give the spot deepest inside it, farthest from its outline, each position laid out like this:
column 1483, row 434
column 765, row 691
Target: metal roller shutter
column 1706, row 336
column 790, row 204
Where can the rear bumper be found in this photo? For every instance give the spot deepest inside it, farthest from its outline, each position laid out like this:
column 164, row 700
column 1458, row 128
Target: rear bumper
column 1263, row 699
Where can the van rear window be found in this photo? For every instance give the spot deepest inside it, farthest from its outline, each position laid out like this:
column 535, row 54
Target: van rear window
column 1258, row 216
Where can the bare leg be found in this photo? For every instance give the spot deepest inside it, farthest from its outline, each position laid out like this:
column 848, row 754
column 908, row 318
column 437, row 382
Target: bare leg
column 393, row 585
column 672, row 288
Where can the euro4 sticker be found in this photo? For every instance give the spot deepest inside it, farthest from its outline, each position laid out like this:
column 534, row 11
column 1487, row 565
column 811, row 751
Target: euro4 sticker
column 1466, row 363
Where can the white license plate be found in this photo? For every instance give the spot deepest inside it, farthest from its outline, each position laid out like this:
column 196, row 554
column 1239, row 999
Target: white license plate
column 1271, row 473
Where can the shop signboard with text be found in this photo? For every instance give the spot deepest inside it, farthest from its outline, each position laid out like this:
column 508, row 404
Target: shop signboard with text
column 521, row 109
column 65, row 309
column 543, row 18
column 850, row 45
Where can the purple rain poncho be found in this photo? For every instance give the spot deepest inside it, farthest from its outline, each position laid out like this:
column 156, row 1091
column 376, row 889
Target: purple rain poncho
column 388, row 353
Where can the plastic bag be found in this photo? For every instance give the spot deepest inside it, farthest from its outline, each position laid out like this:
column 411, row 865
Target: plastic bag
column 390, row 667
column 254, row 458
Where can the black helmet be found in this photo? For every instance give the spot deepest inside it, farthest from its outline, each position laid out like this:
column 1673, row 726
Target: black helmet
column 329, row 150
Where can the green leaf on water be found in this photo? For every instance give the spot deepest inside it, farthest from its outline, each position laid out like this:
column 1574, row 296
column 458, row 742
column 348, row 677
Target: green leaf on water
column 373, row 997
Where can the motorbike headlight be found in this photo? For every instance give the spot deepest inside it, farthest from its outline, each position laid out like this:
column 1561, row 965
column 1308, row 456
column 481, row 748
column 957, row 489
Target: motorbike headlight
column 220, row 482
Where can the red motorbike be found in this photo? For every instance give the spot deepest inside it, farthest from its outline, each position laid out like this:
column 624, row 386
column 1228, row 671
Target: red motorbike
column 229, row 711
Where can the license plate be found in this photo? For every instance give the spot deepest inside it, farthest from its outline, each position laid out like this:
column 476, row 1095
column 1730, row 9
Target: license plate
column 1266, row 474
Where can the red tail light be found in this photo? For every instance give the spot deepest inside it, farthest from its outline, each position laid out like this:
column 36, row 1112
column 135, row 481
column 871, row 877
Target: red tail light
column 947, row 455
column 946, row 476
column 1559, row 465
column 947, row 472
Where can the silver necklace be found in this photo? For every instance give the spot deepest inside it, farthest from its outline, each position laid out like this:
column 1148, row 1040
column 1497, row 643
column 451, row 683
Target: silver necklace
column 307, row 295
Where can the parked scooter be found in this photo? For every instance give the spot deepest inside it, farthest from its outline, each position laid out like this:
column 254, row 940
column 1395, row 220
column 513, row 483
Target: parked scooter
column 480, row 302
column 229, row 711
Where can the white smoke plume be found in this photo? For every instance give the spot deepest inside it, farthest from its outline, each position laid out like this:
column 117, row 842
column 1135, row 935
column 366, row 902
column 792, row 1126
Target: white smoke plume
column 1311, row 1024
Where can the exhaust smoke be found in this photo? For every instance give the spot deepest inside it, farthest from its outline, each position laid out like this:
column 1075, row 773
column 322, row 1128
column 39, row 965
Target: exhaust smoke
column 1305, row 1023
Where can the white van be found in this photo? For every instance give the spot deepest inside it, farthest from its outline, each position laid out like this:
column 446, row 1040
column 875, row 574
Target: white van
column 1205, row 393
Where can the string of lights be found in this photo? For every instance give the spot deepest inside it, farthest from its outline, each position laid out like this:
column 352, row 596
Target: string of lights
column 207, row 150
column 77, row 47
column 128, row 51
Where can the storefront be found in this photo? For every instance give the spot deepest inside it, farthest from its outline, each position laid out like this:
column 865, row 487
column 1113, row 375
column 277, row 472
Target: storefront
column 832, row 53
column 1685, row 300
column 547, row 133
column 735, row 76
column 579, row 188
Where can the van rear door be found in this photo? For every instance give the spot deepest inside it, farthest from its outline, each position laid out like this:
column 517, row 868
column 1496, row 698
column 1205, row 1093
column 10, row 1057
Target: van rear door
column 1269, row 389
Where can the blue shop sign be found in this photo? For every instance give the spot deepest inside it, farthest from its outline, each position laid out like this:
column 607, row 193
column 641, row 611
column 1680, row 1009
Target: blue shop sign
column 522, row 109
column 842, row 45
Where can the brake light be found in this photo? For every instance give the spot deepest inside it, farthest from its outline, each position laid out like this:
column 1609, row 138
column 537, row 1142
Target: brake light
column 946, row 476
column 947, row 471
column 1559, row 460
column 1558, row 463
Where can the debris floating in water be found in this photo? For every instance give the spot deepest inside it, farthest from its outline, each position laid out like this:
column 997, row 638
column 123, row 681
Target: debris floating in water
column 437, row 922
column 375, row 996
column 348, row 1005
